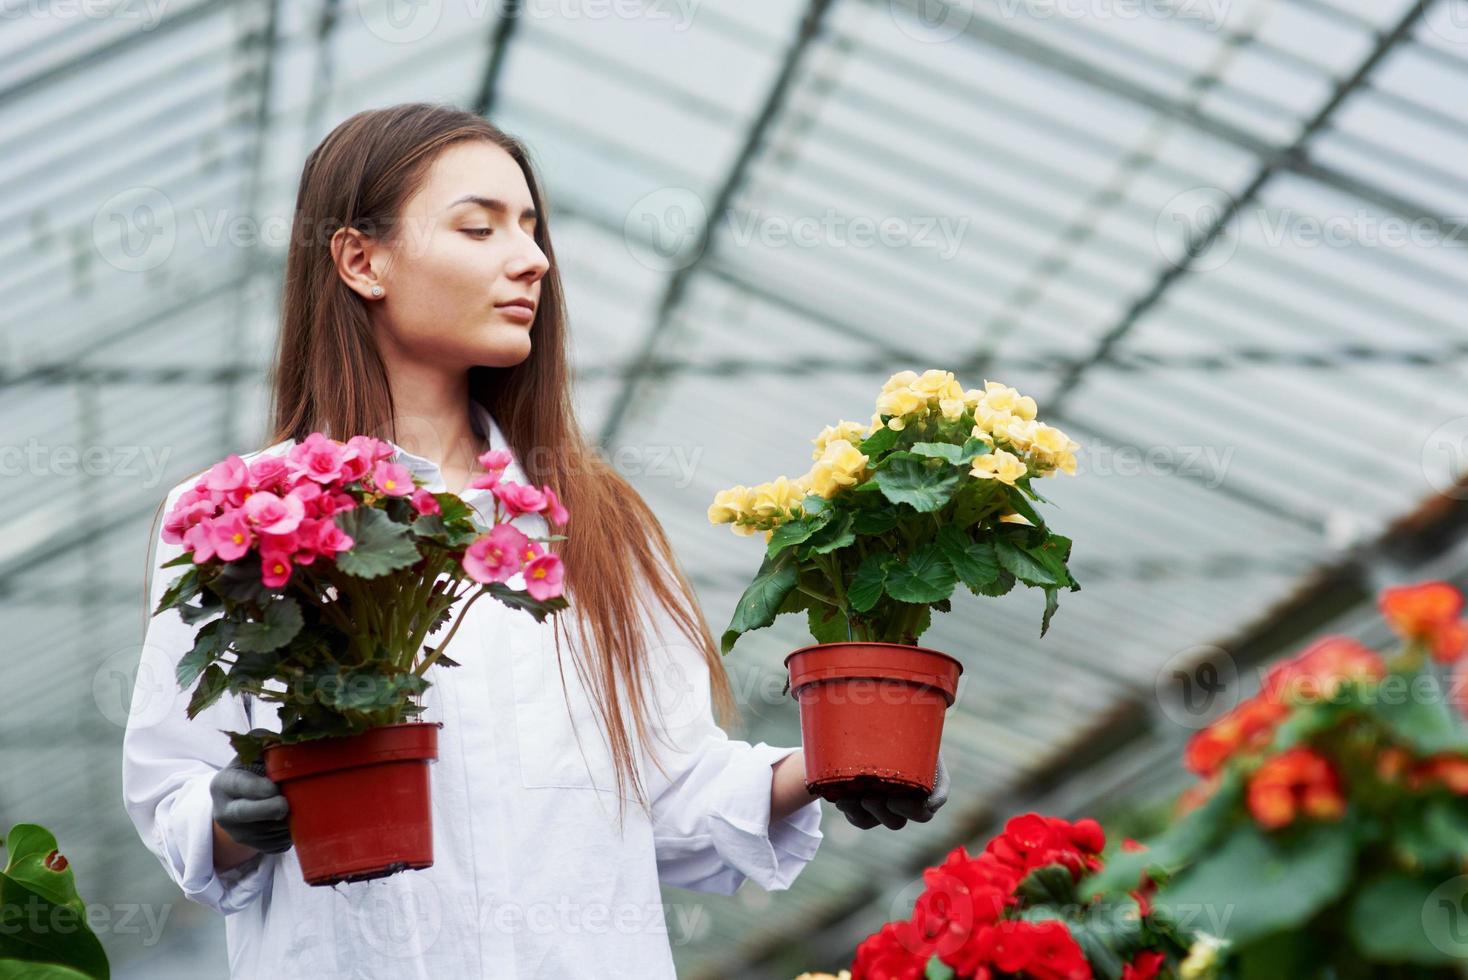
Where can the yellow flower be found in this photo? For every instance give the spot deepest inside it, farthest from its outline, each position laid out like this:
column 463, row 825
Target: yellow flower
column 743, row 530
column 999, row 465
column 1202, row 961
column 993, row 423
column 934, row 384
column 852, row 432
column 728, row 505
column 841, row 465
column 1002, row 398
column 901, row 401
column 901, row 379
column 773, row 499
column 952, row 408
column 1052, row 449
column 1014, row 517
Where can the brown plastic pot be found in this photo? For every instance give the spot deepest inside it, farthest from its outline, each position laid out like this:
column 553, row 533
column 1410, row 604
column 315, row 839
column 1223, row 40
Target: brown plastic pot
column 871, row 715
column 360, row 804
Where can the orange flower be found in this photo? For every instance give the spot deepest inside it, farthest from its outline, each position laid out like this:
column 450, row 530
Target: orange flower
column 1318, row 673
column 1246, row 728
column 1391, row 764
column 1429, row 613
column 1449, row 770
column 1295, row 782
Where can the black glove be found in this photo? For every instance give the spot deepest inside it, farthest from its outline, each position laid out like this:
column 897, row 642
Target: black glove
column 894, row 811
column 249, row 807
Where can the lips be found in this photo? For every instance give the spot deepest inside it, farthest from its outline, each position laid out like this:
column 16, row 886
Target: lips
column 517, row 302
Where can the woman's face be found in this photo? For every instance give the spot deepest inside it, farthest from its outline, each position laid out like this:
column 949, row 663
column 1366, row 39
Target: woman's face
column 466, row 248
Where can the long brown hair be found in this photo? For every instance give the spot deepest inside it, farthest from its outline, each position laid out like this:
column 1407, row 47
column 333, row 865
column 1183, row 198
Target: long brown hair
column 328, row 376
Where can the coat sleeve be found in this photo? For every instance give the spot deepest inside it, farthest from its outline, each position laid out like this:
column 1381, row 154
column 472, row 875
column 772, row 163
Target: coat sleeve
column 711, row 812
column 168, row 759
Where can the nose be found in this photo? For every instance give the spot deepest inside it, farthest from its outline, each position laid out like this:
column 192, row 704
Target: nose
column 529, row 262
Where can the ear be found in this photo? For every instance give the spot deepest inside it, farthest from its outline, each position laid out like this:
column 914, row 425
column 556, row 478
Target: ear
column 358, row 258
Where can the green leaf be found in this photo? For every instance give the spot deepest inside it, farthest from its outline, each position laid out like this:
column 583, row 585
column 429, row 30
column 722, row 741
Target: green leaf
column 241, row 582
column 30, row 970
column 925, row 577
column 380, row 544
column 973, row 562
column 866, row 585
column 972, row 500
column 1022, row 506
column 209, row 643
column 434, row 528
column 827, row 624
column 837, row 534
column 1394, row 918
column 183, row 589
column 27, row 847
column 211, row 686
column 282, row 622
column 1421, row 719
column 43, row 921
column 921, row 483
column 1433, row 834
column 796, row 531
column 451, row 508
column 879, row 442
column 757, row 607
column 1051, row 884
column 938, row 970
column 1052, row 603
column 939, row 450
column 874, row 522
column 1023, row 564
column 524, row 601
column 1253, row 884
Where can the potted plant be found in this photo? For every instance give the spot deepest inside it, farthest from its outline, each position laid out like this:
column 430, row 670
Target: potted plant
column 44, row 932
column 935, row 491
column 1329, row 829
column 321, row 574
column 1016, row 909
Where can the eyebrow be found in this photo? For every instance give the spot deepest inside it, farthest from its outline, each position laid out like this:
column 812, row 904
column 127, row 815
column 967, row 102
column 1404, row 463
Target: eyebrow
column 492, row 204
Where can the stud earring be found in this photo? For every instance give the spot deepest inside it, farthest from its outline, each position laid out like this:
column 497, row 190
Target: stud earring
column 376, row 290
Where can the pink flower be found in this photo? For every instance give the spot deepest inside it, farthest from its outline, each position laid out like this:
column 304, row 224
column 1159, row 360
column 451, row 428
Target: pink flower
column 307, row 493
column 331, row 539
column 275, row 569
column 553, row 509
column 424, row 502
column 230, row 535
column 227, row 475
column 495, row 556
column 543, row 577
column 319, row 458
column 520, row 499
column 271, row 514
column 392, row 479
column 530, row 552
column 192, row 506
column 331, row 503
column 496, row 460
column 267, row 472
column 484, row 481
column 199, row 540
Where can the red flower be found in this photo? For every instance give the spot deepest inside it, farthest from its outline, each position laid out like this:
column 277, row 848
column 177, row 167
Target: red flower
column 1429, row 613
column 1143, row 967
column 1247, row 728
column 897, row 951
column 962, row 894
column 1320, row 671
column 1031, row 841
column 1296, row 781
column 1043, row 950
column 1450, row 771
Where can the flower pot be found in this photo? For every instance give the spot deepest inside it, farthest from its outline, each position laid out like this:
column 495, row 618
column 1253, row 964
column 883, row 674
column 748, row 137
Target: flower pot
column 360, row 804
column 871, row 716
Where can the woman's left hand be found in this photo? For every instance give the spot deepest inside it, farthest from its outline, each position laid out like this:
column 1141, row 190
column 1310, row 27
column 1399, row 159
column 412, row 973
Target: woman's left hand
column 894, row 812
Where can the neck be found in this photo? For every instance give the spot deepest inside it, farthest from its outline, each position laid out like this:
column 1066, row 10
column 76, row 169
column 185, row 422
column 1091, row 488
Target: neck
column 432, row 415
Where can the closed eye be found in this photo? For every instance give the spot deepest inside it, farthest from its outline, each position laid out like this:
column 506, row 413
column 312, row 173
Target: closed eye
column 472, row 231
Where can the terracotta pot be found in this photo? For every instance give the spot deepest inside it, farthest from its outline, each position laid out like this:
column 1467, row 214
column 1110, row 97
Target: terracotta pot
column 360, row 804
column 871, row 715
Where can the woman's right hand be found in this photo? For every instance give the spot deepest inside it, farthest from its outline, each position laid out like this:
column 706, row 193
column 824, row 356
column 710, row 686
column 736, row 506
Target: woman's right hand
column 249, row 807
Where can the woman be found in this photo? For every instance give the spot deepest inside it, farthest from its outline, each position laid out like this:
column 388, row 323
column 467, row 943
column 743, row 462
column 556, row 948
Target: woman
column 423, row 305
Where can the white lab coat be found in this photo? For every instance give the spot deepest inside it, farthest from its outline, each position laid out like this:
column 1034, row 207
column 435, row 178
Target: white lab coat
column 531, row 878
